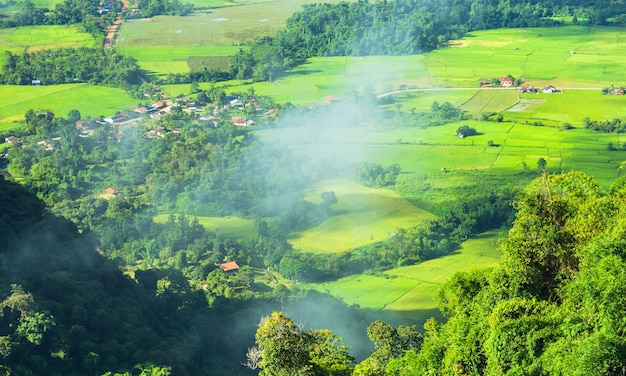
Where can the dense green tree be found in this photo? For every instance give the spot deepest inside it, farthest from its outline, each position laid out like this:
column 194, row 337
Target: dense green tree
column 286, row 349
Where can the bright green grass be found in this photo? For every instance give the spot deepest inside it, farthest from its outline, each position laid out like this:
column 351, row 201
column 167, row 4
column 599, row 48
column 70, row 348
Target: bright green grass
column 486, row 101
column 90, row 100
column 409, row 293
column 29, row 38
column 362, row 215
column 571, row 106
column 539, row 55
column 230, row 227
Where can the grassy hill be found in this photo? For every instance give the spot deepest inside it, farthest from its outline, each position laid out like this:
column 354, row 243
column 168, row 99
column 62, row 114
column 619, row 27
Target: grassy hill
column 362, row 215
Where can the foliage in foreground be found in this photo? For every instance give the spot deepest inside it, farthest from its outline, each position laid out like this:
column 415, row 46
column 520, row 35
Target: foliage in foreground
column 554, row 307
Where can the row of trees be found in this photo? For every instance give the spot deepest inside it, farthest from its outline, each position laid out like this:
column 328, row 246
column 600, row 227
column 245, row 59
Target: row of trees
column 70, row 65
column 606, row 126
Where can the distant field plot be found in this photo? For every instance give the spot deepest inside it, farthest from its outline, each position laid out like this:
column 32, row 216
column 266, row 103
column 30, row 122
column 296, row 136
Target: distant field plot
column 230, row 227
column 176, row 59
column 28, row 38
column 91, row 101
column 480, row 252
column 362, row 215
column 563, row 56
column 411, row 291
column 570, row 106
column 486, row 101
column 221, row 26
column 51, row 36
column 224, row 26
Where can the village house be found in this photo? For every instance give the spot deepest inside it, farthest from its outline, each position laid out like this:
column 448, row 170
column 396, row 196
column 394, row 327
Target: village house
column 549, row 89
column 12, row 140
column 115, row 119
column 142, row 110
column 242, row 122
column 111, row 191
column 156, row 132
column 237, row 103
column 528, row 89
column 49, row 145
column 506, row 81
column 239, row 121
column 228, row 267
column 157, row 105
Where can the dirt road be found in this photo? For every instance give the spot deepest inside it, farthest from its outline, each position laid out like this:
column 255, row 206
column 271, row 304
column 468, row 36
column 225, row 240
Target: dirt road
column 108, row 40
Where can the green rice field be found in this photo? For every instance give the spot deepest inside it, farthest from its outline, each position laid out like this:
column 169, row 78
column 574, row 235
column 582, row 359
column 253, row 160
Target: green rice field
column 93, row 101
column 362, row 215
column 29, row 38
column 517, row 148
column 408, row 294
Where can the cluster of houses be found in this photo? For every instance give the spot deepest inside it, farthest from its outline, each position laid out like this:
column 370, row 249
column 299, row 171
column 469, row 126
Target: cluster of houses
column 235, row 102
column 529, row 89
column 614, row 90
column 508, row 81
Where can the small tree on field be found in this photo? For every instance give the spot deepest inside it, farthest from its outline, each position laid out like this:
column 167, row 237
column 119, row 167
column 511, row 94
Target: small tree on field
column 465, row 131
column 541, row 164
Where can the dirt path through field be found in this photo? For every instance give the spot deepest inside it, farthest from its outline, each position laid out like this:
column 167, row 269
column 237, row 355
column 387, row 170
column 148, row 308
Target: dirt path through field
column 113, row 29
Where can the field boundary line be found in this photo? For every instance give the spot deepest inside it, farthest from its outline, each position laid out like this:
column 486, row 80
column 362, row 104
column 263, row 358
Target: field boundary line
column 508, row 134
column 403, row 294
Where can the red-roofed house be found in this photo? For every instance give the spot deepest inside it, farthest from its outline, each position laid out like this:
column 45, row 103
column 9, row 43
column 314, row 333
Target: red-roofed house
column 228, row 266
column 506, row 81
column 239, row 121
column 111, row 191
column 330, row 99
